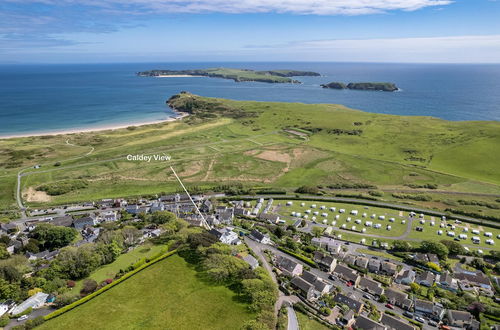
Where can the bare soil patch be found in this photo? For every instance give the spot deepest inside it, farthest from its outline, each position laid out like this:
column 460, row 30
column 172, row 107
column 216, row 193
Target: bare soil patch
column 33, row 195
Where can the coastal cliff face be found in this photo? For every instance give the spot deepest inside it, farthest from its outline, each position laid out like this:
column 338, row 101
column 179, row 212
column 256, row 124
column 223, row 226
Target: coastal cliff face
column 366, row 86
column 238, row 75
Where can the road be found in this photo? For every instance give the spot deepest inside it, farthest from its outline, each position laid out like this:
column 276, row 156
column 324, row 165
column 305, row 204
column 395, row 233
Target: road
column 37, row 312
column 293, row 323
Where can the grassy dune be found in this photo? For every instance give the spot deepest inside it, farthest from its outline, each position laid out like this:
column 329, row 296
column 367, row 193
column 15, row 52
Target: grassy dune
column 226, row 141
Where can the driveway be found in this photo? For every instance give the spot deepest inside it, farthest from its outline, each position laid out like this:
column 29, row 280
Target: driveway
column 293, row 323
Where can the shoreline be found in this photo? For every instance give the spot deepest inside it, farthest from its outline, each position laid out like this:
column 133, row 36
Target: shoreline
column 176, row 76
column 110, row 127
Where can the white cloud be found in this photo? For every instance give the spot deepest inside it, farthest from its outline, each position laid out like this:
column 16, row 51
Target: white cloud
column 432, row 49
column 306, row 7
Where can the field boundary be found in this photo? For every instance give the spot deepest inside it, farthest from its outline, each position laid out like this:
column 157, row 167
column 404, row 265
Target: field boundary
column 89, row 297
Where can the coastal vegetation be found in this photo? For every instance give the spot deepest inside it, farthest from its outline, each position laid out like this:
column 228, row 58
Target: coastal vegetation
column 375, row 86
column 238, row 75
column 245, row 146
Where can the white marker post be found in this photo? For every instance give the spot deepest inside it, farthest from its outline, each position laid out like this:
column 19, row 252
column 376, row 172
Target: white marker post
column 204, row 222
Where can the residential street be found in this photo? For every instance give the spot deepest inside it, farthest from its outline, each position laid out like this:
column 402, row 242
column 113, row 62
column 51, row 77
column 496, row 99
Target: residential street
column 293, row 323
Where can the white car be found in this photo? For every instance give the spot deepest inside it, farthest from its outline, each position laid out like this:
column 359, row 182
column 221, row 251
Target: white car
column 22, row 318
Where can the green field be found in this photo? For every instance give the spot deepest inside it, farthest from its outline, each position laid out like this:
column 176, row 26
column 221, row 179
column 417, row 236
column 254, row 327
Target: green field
column 306, row 323
column 249, row 143
column 167, row 295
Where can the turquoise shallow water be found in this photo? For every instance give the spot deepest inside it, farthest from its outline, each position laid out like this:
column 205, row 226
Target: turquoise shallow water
column 42, row 98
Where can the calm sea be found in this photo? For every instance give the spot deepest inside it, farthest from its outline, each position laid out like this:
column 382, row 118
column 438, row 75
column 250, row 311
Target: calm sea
column 42, row 98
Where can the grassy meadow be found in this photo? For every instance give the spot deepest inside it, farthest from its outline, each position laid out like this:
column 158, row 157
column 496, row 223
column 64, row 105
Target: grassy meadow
column 250, row 143
column 167, row 295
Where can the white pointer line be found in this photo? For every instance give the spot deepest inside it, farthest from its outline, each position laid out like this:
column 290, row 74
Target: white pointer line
column 205, row 223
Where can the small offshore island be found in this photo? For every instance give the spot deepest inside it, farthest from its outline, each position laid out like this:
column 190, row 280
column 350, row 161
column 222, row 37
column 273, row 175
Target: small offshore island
column 366, row 86
column 238, row 75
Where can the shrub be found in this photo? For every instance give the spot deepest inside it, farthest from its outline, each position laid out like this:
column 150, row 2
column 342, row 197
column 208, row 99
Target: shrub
column 70, row 284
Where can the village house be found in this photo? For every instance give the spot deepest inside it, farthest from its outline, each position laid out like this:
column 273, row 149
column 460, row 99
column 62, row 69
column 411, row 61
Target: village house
column 477, row 279
column 269, row 217
column 320, row 287
column 225, row 214
column 226, row 235
column 84, row 222
column 249, row 259
column 327, row 243
column 63, row 221
column 446, row 281
column 393, row 323
column 398, row 298
column 461, row 319
column 429, row 309
column 350, row 259
column 325, row 261
column 356, row 305
column 362, row 262
column 259, row 237
column 405, row 277
column 35, row 301
column 425, row 278
column 157, row 207
column 347, row 274
column 365, row 323
column 374, row 265
column 368, row 285
column 288, row 266
column 108, row 216
column 388, row 268
column 305, row 288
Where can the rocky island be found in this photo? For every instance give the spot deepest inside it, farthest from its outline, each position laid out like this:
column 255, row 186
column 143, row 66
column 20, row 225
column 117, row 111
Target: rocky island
column 238, row 75
column 367, row 86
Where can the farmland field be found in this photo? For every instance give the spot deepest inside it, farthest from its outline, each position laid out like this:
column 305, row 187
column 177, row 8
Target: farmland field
column 167, row 295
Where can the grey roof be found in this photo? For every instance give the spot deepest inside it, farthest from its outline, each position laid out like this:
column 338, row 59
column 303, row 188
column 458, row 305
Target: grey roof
column 478, row 278
column 286, row 264
column 364, row 323
column 426, row 276
column 395, row 323
column 352, row 303
column 251, row 261
column 454, row 315
column 301, row 284
column 423, row 305
column 395, row 294
column 309, row 277
column 65, row 221
column 371, row 285
column 346, row 272
column 323, row 259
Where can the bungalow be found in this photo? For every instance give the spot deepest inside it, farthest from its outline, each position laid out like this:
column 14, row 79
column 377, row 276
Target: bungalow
column 35, row 301
column 374, row 265
column 388, row 268
column 288, row 266
column 365, row 323
column 429, row 309
column 325, row 261
column 425, row 278
column 348, row 318
column 133, row 209
column 350, row 259
column 352, row 302
column 241, row 212
column 327, row 243
column 347, row 274
column 305, row 288
column 84, row 222
column 269, row 217
column 478, row 279
column 63, row 221
column 320, row 286
column 225, row 216
column 259, row 237
column 446, row 281
column 393, row 323
column 398, row 298
column 370, row 286
column 405, row 277
column 207, row 206
column 362, row 262
column 249, row 259
column 460, row 319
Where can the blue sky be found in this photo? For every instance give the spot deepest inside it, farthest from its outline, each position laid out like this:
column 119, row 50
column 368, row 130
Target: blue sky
column 66, row 31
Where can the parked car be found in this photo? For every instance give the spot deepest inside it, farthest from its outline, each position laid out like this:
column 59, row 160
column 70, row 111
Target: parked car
column 22, row 318
column 432, row 323
column 368, row 296
column 419, row 319
column 389, row 306
column 408, row 314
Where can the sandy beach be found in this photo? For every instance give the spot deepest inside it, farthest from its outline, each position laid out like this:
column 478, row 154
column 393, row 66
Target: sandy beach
column 111, row 127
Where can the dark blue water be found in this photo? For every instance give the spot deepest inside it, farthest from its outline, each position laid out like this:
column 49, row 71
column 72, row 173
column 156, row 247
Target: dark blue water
column 42, row 98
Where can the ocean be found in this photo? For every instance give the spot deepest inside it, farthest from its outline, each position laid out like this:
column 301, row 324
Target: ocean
column 51, row 98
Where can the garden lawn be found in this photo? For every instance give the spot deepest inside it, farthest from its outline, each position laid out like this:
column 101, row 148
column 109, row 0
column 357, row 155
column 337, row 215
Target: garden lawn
column 167, row 295
column 305, row 323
